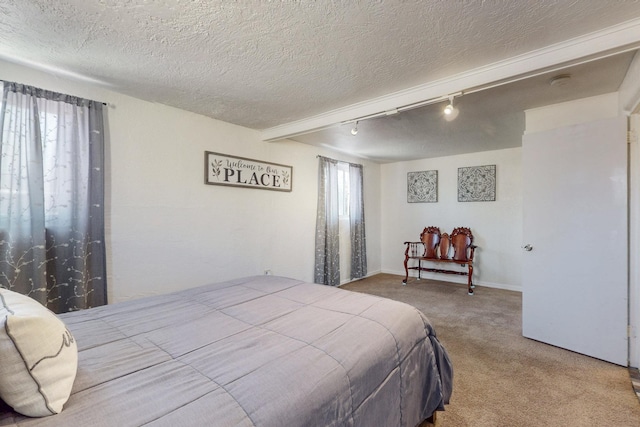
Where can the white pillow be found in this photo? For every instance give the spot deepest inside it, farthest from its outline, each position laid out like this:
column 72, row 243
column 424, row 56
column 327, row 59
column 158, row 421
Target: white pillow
column 39, row 356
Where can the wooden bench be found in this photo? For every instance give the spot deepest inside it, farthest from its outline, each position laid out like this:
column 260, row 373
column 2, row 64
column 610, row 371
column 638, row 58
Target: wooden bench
column 434, row 247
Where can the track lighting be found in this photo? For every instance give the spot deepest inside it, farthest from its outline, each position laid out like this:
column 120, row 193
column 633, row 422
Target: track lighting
column 450, row 112
column 448, row 109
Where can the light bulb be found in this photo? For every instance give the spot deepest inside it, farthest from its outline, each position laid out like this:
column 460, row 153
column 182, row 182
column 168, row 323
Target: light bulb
column 448, row 109
column 354, row 131
column 450, row 112
column 452, row 115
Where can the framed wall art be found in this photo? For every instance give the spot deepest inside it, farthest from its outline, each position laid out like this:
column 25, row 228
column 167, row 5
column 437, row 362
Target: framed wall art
column 233, row 171
column 477, row 184
column 422, row 187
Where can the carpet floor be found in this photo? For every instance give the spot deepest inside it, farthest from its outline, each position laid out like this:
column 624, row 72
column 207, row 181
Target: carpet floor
column 502, row 378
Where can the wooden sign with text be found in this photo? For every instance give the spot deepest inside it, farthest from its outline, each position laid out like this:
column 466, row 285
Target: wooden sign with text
column 222, row 169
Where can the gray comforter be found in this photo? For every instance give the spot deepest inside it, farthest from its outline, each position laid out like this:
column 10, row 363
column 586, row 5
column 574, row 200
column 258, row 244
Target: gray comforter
column 258, row 351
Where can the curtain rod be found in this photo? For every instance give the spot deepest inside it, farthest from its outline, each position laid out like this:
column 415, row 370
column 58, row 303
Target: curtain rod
column 92, row 100
column 339, row 161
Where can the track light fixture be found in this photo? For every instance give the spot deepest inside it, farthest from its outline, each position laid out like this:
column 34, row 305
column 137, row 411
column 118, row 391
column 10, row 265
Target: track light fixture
column 450, row 112
column 449, row 108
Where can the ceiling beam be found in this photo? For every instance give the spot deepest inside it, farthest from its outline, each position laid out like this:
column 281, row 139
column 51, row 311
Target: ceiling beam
column 611, row 40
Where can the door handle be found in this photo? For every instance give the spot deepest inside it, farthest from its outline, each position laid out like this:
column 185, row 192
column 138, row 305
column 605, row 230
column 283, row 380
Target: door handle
column 527, row 247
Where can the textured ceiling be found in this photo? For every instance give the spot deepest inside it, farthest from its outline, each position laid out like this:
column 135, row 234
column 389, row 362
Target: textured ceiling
column 260, row 64
column 488, row 120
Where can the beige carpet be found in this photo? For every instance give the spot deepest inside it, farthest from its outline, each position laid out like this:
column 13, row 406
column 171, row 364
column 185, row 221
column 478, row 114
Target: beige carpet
column 502, row 378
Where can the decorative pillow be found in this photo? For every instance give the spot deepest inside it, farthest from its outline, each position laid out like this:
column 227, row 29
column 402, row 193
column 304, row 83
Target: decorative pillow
column 39, row 356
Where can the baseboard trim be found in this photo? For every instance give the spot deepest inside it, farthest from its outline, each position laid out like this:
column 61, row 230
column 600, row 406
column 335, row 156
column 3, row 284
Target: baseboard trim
column 459, row 280
column 369, row 274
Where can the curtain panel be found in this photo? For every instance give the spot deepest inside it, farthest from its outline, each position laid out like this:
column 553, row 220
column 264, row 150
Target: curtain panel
column 327, row 255
column 52, row 198
column 356, row 222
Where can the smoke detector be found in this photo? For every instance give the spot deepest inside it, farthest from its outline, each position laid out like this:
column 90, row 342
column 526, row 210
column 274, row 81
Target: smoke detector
column 560, row 80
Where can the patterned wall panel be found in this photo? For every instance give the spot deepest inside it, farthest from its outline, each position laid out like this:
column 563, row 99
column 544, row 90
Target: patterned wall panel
column 422, row 187
column 477, row 184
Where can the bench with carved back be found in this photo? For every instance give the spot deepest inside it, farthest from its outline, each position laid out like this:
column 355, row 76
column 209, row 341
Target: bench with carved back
column 437, row 248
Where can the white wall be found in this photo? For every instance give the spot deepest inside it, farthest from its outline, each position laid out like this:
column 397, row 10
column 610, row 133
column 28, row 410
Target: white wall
column 167, row 230
column 571, row 113
column 630, row 88
column 496, row 226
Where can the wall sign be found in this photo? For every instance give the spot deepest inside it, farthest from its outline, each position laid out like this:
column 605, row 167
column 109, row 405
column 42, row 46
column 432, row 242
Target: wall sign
column 222, row 169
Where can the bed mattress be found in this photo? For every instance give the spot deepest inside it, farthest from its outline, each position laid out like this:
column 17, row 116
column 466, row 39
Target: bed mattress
column 257, row 351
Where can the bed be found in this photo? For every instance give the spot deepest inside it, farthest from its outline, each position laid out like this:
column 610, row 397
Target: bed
column 256, row 351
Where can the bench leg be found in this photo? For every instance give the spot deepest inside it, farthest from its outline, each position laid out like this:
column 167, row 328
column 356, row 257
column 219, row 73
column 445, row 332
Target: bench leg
column 406, row 270
column 470, row 284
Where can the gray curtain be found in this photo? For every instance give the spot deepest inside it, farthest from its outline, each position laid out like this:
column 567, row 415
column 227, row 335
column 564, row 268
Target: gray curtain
column 52, row 198
column 356, row 222
column 327, row 257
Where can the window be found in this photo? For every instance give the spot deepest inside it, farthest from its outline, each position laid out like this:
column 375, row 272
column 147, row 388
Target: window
column 52, row 198
column 340, row 235
column 343, row 190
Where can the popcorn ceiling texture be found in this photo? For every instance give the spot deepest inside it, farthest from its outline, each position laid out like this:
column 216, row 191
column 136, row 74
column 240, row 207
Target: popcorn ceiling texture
column 259, row 64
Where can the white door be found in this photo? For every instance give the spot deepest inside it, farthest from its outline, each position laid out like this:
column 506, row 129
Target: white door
column 575, row 225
